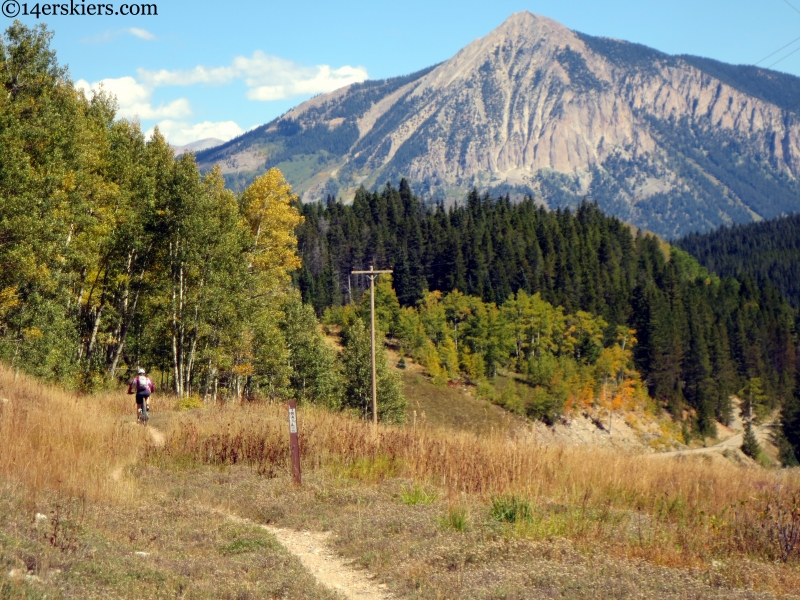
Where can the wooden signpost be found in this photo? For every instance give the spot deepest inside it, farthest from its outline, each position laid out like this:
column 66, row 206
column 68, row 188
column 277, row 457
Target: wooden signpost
column 294, row 442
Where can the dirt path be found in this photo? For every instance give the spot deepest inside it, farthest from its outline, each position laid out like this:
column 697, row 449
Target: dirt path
column 331, row 571
column 734, row 442
column 157, row 435
column 321, row 561
column 311, row 548
column 158, row 439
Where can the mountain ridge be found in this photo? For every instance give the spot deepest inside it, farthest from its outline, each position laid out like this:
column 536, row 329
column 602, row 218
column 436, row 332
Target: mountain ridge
column 197, row 146
column 535, row 108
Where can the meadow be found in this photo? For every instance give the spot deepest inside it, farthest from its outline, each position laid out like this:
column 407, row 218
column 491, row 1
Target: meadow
column 430, row 511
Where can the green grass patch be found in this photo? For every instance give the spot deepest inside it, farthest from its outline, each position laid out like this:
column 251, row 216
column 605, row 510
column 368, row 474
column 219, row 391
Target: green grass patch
column 510, row 509
column 456, row 518
column 417, row 495
column 245, row 545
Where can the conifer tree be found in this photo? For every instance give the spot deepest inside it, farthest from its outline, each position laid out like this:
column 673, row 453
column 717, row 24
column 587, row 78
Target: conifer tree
column 750, row 444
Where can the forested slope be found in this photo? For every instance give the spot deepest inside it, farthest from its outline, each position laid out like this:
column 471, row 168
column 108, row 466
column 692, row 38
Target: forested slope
column 698, row 338
column 768, row 251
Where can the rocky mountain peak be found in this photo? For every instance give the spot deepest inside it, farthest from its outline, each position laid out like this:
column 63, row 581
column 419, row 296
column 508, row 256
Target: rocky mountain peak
column 534, row 108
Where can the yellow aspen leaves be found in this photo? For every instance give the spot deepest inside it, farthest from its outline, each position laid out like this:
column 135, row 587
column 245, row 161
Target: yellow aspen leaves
column 272, row 219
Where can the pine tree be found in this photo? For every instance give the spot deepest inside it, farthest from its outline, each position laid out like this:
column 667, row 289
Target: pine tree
column 790, row 420
column 750, row 444
column 314, row 377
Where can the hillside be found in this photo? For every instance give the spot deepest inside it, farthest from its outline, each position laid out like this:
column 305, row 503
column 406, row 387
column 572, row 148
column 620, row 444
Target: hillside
column 672, row 144
column 493, row 285
column 769, row 252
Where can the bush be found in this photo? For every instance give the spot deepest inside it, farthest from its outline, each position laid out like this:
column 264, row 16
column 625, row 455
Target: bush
column 190, row 403
column 485, row 391
column 543, row 406
column 510, row 399
column 749, row 443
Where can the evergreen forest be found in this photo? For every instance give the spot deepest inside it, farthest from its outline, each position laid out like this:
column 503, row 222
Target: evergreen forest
column 768, row 251
column 556, row 296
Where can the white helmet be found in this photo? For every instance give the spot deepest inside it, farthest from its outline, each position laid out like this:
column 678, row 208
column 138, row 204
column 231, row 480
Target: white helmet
column 141, row 371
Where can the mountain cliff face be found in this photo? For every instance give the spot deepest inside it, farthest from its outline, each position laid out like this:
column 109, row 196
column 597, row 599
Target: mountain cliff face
column 671, row 144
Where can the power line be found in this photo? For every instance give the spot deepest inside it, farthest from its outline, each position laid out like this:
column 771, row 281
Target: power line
column 784, row 58
column 792, row 5
column 794, row 8
column 776, row 51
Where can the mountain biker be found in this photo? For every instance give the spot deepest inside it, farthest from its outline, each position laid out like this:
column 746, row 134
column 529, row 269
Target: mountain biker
column 142, row 386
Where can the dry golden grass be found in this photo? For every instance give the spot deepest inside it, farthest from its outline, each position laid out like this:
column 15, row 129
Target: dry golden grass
column 680, row 513
column 56, row 441
column 670, row 512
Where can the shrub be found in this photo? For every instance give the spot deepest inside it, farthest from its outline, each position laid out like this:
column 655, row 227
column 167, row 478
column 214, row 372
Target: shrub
column 749, row 442
column 190, row 403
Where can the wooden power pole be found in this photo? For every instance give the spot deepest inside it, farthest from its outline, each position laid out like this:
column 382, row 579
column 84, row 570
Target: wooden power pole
column 372, row 274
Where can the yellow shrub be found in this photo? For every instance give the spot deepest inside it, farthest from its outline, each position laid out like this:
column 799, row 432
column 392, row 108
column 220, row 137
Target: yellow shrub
column 190, row 403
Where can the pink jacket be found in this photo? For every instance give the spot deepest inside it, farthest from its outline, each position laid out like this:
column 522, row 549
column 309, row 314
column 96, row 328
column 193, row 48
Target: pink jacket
column 134, row 386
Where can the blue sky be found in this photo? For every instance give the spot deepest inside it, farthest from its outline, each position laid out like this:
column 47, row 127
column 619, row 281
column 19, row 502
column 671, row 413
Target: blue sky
column 202, row 69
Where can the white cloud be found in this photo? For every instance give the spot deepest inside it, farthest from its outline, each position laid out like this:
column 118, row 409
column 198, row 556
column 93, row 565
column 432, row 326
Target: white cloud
column 180, row 133
column 211, row 76
column 142, row 34
column 176, row 109
column 127, row 90
column 109, row 35
column 268, row 77
column 134, row 99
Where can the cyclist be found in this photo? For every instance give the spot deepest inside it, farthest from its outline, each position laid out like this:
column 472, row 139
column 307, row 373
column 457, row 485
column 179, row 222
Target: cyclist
column 142, row 386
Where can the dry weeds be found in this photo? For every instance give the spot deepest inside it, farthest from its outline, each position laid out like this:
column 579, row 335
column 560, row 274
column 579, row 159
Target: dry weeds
column 426, row 510
column 159, row 546
column 678, row 513
column 52, row 440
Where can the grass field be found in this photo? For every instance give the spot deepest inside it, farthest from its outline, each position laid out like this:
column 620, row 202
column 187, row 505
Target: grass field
column 432, row 512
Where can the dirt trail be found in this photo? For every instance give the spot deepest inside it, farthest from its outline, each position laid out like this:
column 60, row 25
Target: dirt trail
column 158, row 439
column 157, row 435
column 734, row 442
column 321, row 561
column 310, row 547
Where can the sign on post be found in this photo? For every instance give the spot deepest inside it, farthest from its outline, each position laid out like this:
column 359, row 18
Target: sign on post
column 294, row 442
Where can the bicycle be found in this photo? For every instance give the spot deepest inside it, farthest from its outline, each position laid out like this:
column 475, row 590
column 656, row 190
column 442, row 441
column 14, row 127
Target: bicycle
column 143, row 416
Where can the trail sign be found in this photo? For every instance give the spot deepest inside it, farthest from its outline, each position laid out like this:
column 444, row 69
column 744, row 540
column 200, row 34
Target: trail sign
column 294, row 442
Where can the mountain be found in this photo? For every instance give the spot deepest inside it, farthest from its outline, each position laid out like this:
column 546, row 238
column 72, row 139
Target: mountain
column 197, row 146
column 673, row 144
column 769, row 252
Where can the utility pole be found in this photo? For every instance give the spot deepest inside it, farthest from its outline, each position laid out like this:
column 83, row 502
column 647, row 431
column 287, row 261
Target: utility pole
column 372, row 274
